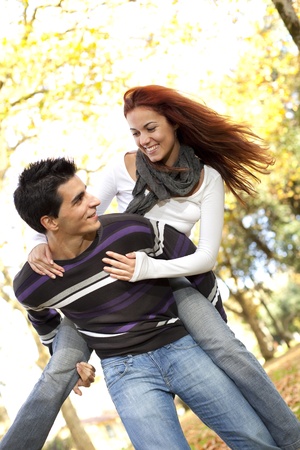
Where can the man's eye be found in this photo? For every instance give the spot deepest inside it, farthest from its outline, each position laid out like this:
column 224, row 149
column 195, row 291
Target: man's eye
column 78, row 201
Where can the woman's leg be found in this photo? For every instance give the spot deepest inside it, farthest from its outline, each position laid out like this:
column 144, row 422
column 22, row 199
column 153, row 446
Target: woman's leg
column 213, row 335
column 37, row 415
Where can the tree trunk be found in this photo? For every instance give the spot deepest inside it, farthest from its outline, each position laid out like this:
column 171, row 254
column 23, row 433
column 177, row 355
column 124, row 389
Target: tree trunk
column 79, row 436
column 250, row 317
column 280, row 332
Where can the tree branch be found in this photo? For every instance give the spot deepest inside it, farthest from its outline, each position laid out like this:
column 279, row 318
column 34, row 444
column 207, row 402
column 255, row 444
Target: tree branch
column 290, row 19
column 27, row 97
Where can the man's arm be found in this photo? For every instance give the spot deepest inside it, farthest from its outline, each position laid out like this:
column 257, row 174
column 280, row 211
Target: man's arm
column 46, row 323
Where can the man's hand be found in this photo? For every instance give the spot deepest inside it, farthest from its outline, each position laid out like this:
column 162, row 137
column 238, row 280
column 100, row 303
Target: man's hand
column 87, row 376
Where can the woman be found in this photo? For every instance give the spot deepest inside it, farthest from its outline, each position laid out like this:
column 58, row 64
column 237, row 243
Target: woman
column 186, row 153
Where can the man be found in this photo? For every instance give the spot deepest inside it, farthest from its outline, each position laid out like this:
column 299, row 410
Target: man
column 146, row 354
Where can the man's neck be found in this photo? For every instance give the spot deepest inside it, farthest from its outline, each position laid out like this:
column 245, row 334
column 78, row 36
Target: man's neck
column 69, row 247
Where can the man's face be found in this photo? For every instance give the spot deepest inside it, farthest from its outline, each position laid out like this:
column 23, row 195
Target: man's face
column 77, row 215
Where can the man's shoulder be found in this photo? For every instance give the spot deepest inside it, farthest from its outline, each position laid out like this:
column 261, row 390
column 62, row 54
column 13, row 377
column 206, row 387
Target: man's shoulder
column 126, row 232
column 126, row 219
column 25, row 276
column 135, row 222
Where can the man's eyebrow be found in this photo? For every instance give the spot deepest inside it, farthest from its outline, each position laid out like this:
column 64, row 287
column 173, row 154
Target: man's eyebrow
column 78, row 197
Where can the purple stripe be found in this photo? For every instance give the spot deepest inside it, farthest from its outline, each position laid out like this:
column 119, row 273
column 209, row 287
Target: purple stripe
column 129, row 326
column 122, row 301
column 164, row 305
column 111, row 306
column 182, row 246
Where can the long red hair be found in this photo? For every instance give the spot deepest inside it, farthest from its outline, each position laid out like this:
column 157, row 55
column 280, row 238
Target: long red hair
column 230, row 148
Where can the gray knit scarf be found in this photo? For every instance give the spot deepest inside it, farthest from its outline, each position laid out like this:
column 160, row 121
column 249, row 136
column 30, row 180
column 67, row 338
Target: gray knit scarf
column 163, row 185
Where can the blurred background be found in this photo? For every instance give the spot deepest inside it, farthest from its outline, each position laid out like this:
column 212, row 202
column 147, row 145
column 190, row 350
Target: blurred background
column 64, row 67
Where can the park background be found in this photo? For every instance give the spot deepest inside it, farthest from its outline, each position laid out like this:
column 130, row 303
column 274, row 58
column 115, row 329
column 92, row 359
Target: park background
column 64, row 67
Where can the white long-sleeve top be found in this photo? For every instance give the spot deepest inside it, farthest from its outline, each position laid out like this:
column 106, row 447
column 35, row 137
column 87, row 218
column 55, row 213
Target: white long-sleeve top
column 205, row 205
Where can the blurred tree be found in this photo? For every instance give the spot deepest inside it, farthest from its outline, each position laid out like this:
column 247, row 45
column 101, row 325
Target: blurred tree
column 285, row 308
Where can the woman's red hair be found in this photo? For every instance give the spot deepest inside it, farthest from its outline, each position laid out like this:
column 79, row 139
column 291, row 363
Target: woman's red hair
column 232, row 149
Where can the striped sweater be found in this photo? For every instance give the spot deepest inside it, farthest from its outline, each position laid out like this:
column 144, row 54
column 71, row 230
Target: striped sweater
column 114, row 317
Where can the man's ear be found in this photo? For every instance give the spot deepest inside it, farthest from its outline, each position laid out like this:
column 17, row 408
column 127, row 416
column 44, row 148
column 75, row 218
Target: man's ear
column 49, row 223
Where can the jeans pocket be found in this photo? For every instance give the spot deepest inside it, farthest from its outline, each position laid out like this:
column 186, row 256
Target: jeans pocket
column 184, row 343
column 113, row 371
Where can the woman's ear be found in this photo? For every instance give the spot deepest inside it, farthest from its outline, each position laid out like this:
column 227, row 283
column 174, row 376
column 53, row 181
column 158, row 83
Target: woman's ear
column 49, row 223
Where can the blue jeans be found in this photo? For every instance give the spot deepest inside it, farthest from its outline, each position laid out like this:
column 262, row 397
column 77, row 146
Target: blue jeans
column 215, row 337
column 35, row 418
column 142, row 388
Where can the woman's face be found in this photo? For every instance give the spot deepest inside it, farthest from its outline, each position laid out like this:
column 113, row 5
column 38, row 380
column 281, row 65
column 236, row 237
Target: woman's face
column 154, row 135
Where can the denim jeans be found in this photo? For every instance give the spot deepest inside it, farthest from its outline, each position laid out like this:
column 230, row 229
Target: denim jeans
column 142, row 388
column 215, row 337
column 35, row 418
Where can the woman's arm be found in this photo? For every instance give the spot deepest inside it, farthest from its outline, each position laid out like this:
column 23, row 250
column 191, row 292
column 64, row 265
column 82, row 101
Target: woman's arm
column 203, row 260
column 40, row 260
column 40, row 257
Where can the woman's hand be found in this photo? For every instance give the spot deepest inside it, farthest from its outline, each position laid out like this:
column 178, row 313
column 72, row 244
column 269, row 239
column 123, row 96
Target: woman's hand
column 87, row 376
column 122, row 266
column 40, row 260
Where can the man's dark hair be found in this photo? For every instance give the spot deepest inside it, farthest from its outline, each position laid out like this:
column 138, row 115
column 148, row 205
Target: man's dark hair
column 36, row 195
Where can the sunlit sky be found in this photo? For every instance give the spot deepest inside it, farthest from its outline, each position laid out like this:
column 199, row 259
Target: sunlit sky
column 217, row 50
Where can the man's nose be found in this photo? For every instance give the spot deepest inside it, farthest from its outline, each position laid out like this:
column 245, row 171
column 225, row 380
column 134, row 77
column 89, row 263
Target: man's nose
column 94, row 201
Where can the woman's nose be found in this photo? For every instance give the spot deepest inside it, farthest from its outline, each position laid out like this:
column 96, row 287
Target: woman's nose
column 144, row 139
